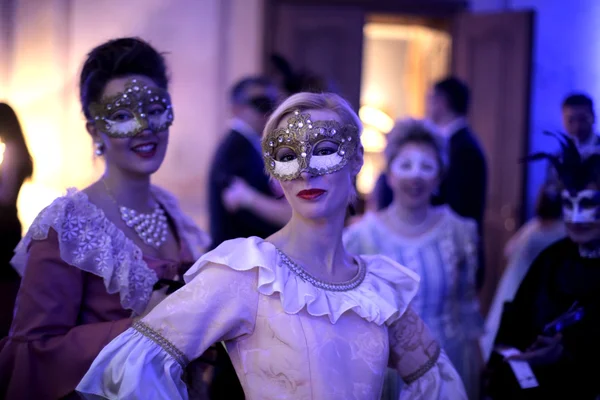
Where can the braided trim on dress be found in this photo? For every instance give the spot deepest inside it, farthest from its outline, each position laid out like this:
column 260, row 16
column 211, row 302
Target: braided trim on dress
column 164, row 343
column 423, row 369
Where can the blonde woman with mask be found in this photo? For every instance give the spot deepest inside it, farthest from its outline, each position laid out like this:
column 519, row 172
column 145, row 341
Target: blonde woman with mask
column 301, row 317
column 434, row 242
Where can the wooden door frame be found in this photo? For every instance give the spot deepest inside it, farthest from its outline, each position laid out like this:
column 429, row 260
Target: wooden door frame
column 522, row 215
column 379, row 9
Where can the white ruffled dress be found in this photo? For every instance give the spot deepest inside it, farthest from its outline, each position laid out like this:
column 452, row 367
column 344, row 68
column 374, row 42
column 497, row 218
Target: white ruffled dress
column 287, row 339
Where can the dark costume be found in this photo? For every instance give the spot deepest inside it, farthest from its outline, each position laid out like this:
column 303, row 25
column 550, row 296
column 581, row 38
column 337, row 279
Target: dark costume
column 561, row 277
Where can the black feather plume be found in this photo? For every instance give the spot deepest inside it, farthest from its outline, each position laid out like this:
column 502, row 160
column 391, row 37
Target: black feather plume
column 574, row 171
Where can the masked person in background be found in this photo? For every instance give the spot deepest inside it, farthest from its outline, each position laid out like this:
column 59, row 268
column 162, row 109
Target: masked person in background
column 98, row 259
column 552, row 323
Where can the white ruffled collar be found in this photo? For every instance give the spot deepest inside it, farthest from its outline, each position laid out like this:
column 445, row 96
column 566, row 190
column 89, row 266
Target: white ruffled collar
column 91, row 242
column 382, row 297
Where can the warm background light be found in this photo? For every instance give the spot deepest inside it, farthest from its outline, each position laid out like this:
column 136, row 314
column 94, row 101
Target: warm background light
column 373, row 140
column 209, row 45
column 376, row 118
column 400, row 63
column 2, row 148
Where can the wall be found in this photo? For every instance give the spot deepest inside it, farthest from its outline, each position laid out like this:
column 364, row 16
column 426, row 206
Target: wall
column 209, row 44
column 565, row 59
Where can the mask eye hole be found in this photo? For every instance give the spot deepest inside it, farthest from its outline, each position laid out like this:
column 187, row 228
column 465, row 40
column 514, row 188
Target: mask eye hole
column 156, row 110
column 325, row 148
column 567, row 203
column 121, row 116
column 285, row 154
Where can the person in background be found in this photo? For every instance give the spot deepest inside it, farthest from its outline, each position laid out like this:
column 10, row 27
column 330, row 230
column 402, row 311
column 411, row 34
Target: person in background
column 578, row 119
column 521, row 250
column 240, row 195
column 433, row 241
column 239, row 158
column 16, row 167
column 98, row 259
column 464, row 187
column 552, row 322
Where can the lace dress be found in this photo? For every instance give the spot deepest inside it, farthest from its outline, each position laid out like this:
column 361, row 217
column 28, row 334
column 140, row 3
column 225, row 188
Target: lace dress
column 287, row 338
column 445, row 259
column 82, row 281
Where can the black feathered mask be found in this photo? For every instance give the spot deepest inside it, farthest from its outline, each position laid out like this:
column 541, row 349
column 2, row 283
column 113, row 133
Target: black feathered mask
column 574, row 171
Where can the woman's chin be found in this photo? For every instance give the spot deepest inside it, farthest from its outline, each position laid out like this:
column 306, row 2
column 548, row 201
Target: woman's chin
column 318, row 211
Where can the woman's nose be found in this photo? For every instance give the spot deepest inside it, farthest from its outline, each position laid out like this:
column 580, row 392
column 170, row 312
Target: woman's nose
column 306, row 175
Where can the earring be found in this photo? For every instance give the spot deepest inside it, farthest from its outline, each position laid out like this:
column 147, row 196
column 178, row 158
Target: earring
column 99, row 149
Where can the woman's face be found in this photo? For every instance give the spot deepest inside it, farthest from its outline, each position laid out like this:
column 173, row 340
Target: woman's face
column 132, row 121
column 319, row 196
column 581, row 213
column 414, row 175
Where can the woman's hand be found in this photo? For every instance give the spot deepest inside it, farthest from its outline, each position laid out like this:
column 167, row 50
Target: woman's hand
column 546, row 350
column 238, row 195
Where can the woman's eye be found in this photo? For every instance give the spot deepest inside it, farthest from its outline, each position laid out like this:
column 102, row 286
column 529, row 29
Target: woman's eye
column 567, row 204
column 288, row 157
column 285, row 155
column 325, row 151
column 325, row 148
column 121, row 116
column 155, row 111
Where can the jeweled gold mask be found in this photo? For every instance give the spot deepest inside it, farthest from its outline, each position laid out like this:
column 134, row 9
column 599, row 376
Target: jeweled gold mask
column 317, row 147
column 139, row 107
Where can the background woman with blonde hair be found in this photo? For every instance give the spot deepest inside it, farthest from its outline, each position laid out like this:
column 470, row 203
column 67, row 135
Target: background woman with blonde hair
column 434, row 242
column 300, row 316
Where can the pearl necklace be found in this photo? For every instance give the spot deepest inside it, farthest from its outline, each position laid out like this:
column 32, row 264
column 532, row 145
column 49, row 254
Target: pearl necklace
column 152, row 227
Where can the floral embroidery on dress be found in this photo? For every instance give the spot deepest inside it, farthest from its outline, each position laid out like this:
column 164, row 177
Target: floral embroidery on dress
column 90, row 242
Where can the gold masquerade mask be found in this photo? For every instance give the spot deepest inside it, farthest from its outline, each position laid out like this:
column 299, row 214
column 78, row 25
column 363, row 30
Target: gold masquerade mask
column 318, row 147
column 139, row 107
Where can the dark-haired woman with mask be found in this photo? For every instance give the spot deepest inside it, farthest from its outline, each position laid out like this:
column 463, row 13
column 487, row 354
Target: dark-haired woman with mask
column 97, row 259
column 15, row 167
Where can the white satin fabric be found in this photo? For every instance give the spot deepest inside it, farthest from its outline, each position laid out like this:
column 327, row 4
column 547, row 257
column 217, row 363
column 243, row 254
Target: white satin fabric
column 286, row 339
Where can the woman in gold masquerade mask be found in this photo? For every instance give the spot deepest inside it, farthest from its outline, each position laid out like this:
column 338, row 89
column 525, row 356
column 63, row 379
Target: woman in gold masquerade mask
column 301, row 317
column 96, row 260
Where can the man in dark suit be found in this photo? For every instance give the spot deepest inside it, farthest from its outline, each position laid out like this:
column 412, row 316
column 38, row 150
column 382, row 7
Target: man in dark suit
column 239, row 155
column 465, row 184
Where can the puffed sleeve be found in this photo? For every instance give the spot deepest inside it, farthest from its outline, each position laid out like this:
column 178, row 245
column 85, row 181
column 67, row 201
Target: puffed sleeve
column 148, row 360
column 48, row 351
column 421, row 363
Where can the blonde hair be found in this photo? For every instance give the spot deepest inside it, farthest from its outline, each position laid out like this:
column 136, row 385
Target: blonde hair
column 411, row 130
column 313, row 101
column 316, row 101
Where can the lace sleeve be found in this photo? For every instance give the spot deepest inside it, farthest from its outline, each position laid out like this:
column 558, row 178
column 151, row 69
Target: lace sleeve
column 89, row 241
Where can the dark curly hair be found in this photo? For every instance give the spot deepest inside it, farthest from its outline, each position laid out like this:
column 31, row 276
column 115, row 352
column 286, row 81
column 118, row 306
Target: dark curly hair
column 115, row 59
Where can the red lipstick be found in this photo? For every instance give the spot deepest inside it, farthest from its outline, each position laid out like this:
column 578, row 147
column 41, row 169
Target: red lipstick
column 311, row 194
